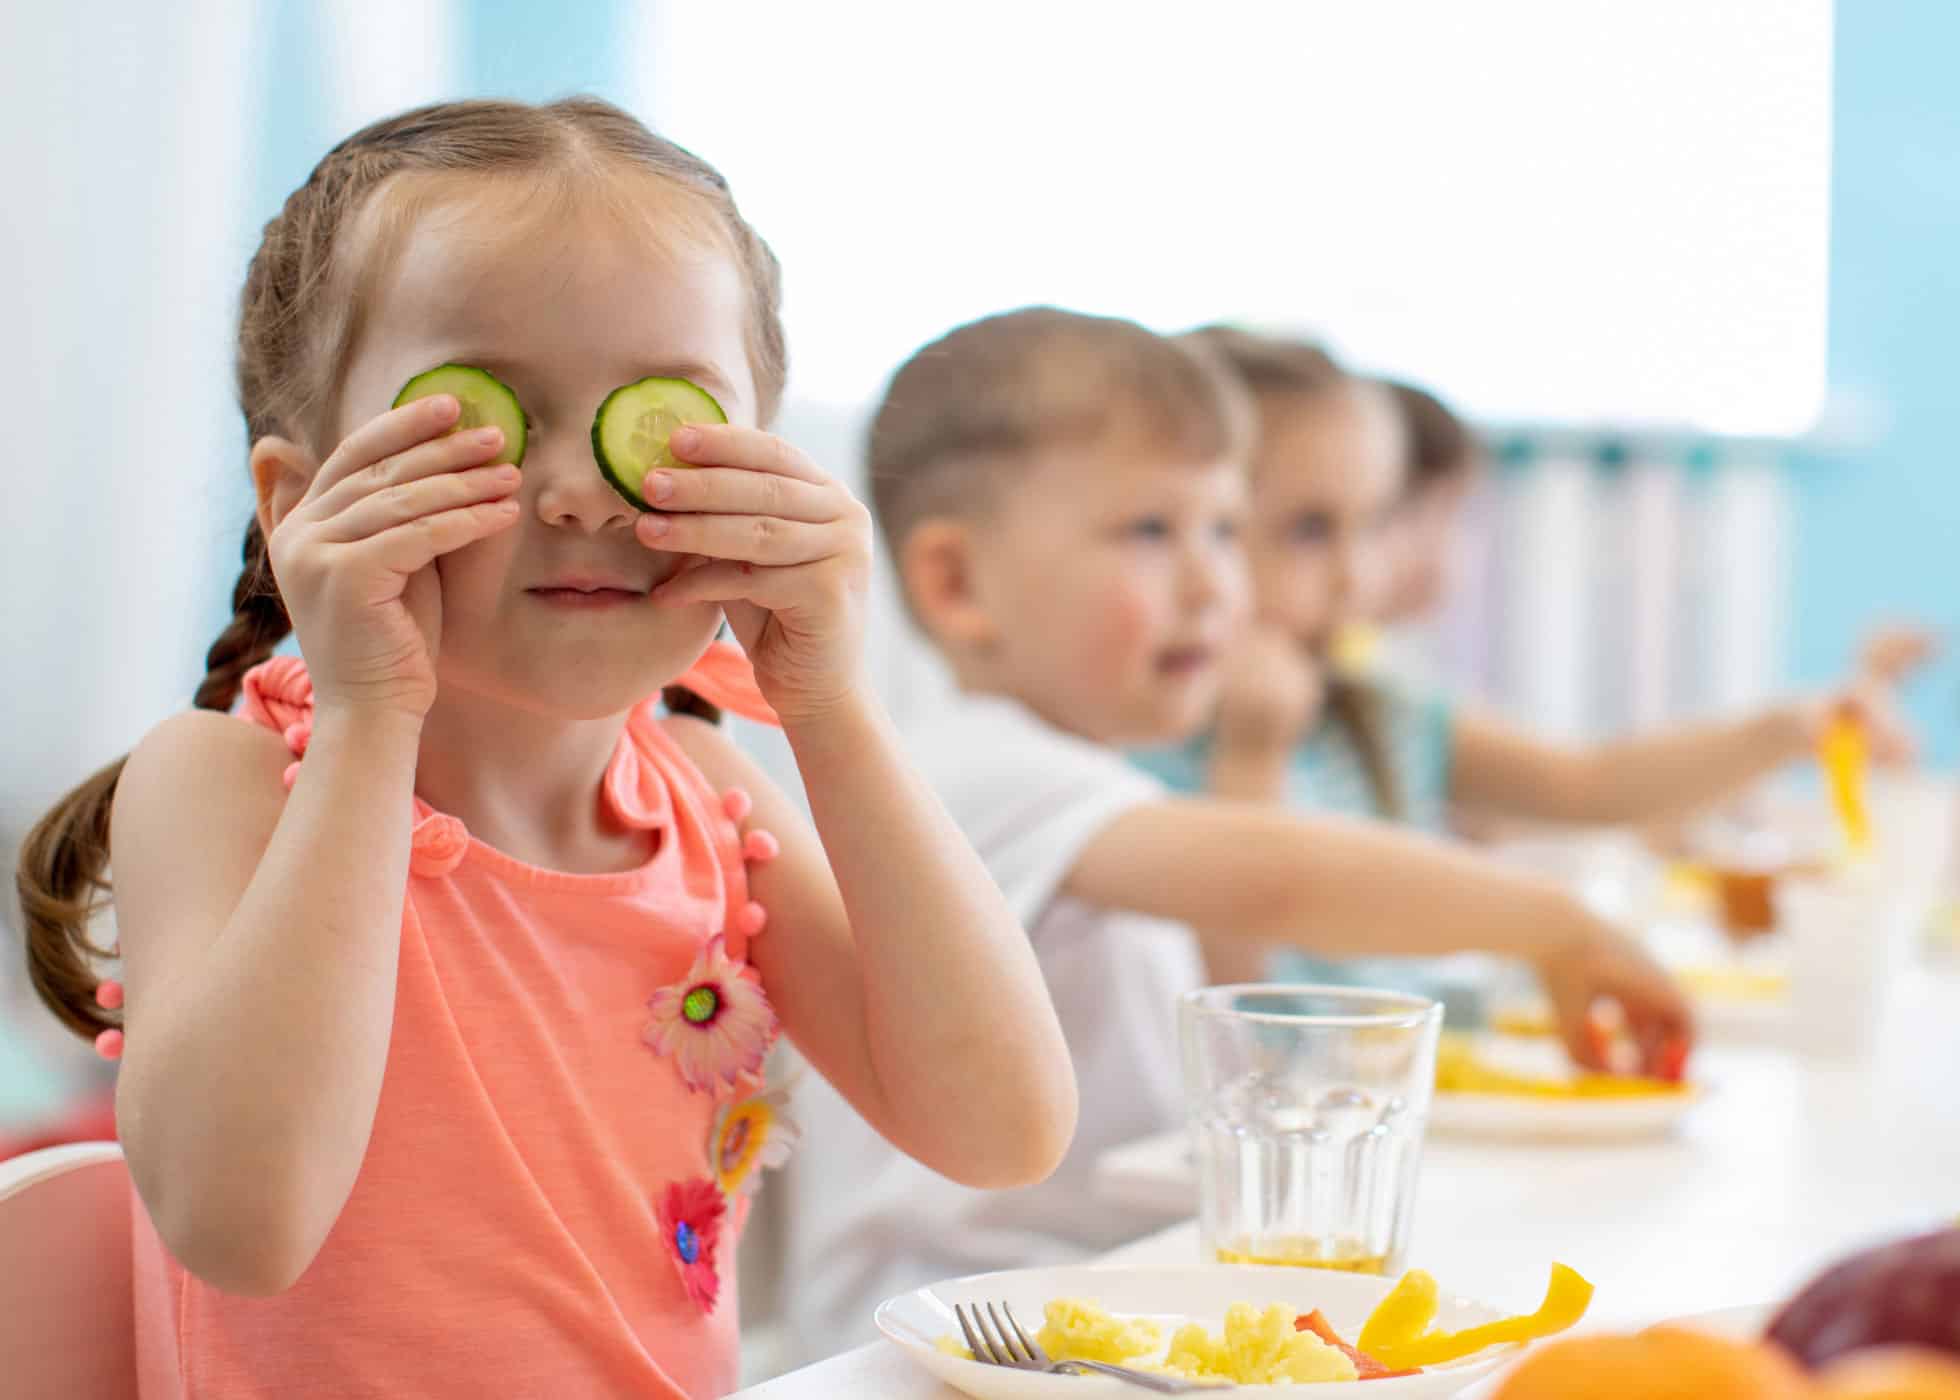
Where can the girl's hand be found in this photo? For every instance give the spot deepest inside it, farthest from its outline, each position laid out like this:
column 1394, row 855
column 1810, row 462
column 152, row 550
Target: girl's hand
column 352, row 557
column 784, row 549
column 1272, row 691
column 1889, row 738
column 1890, row 655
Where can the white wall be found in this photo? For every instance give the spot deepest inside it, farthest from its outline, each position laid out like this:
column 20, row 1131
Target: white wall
column 122, row 258
column 1594, row 211
column 124, row 134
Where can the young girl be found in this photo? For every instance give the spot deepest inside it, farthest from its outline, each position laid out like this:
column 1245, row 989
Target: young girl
column 1442, row 458
column 451, row 970
column 1327, row 483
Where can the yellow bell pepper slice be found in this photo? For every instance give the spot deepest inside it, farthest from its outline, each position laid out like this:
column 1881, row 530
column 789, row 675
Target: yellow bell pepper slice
column 1841, row 752
column 1402, row 1316
column 1398, row 1334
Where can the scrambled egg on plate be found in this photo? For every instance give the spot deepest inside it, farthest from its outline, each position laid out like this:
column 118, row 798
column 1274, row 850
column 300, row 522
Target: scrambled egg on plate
column 1256, row 1347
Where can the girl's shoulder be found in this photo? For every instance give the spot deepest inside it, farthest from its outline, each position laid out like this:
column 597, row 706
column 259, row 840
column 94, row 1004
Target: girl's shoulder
column 216, row 756
column 710, row 749
column 750, row 797
column 198, row 784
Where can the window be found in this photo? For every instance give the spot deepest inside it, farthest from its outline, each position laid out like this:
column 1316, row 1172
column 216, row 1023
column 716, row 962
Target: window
column 1553, row 210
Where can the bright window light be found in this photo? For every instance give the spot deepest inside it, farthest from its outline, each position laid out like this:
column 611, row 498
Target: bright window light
column 1581, row 211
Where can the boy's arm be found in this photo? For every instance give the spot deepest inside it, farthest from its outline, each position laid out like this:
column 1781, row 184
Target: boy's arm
column 1344, row 888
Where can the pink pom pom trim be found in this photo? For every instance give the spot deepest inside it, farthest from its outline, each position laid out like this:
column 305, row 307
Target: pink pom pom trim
column 752, row 920
column 738, row 804
column 760, row 847
column 109, row 1045
column 109, row 995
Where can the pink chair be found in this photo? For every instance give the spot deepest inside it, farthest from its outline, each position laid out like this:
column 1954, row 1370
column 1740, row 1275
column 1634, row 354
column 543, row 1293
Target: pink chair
column 67, row 1331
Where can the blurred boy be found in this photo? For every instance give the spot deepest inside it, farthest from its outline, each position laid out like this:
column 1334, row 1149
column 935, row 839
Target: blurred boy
column 1062, row 495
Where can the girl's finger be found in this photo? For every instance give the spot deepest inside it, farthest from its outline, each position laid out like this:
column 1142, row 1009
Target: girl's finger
column 750, row 539
column 452, row 452
column 397, row 430
column 430, row 495
column 733, row 445
column 724, row 582
column 415, row 545
column 732, row 491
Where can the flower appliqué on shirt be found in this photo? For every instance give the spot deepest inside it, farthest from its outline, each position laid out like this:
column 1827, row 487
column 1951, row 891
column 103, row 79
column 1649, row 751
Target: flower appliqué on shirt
column 690, row 1215
column 715, row 1024
column 750, row 1137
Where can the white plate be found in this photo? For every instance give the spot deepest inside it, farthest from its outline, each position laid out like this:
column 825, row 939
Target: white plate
column 1532, row 1118
column 1743, row 1324
column 1174, row 1296
column 1522, row 1117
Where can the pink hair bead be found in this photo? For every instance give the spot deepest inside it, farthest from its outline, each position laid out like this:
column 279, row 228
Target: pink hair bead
column 752, row 920
column 109, row 995
column 109, row 1045
column 760, row 847
column 738, row 804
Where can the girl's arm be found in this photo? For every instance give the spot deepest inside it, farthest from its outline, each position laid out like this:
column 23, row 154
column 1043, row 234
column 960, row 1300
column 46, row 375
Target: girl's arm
column 261, row 932
column 260, row 935
column 1497, row 767
column 892, row 959
column 1272, row 694
column 903, row 977
column 1676, row 771
column 1344, row 888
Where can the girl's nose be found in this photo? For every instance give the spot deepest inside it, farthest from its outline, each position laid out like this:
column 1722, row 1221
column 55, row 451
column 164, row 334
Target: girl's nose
column 569, row 491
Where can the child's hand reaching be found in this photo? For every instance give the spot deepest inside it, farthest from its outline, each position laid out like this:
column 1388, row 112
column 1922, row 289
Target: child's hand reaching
column 1597, row 963
column 352, row 557
column 783, row 547
column 1890, row 654
column 1871, row 704
column 1887, row 659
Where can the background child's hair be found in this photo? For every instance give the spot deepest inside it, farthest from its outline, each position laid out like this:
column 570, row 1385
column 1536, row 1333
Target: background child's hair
column 298, row 320
column 1282, row 372
column 1441, row 446
column 966, row 411
column 1270, row 364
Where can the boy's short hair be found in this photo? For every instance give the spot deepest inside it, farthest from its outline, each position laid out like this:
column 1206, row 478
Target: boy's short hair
column 965, row 412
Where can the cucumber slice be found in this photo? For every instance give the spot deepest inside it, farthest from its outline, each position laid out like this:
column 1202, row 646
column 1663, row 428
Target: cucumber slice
column 631, row 428
column 486, row 400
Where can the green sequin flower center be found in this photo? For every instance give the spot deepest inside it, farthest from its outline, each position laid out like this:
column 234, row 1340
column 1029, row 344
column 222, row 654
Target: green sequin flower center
column 700, row 1005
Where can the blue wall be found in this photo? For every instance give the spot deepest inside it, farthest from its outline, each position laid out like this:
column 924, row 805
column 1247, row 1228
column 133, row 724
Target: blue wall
column 1878, row 523
column 533, row 51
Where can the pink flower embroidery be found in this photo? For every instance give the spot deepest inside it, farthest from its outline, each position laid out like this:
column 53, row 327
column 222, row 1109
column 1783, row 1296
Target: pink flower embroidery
column 690, row 1220
column 714, row 1022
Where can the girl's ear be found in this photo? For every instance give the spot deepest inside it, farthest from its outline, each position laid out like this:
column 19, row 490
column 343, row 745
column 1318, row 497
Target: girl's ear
column 281, row 472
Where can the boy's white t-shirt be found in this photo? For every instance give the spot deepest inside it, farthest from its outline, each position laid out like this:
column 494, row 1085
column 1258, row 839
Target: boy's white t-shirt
column 863, row 1221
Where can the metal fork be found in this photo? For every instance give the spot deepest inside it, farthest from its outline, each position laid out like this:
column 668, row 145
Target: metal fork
column 992, row 1346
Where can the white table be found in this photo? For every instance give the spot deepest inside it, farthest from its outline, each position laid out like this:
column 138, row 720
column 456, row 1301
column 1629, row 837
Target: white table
column 1789, row 1163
